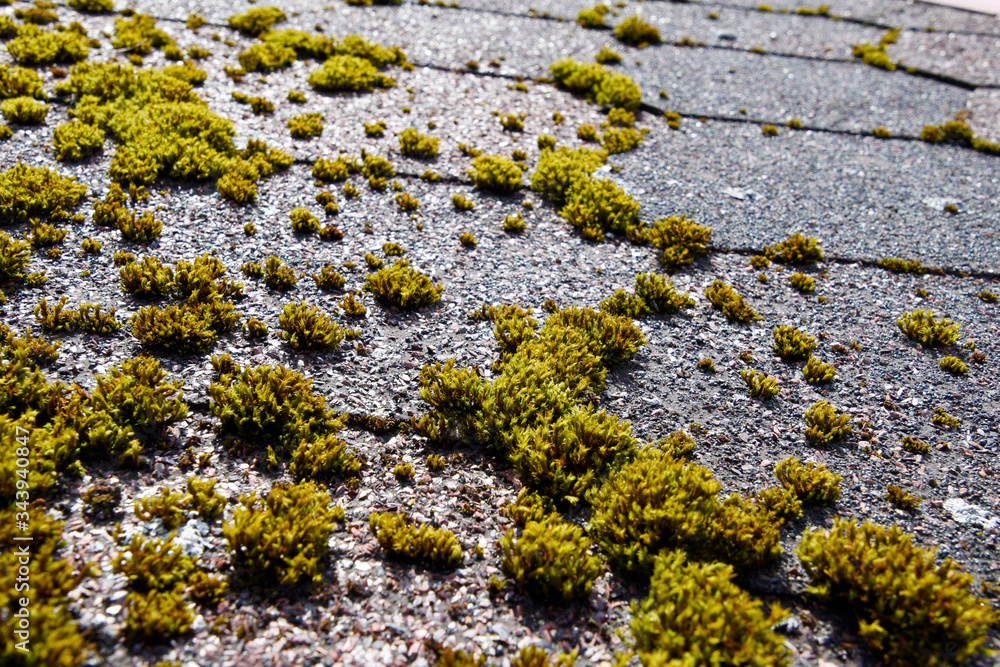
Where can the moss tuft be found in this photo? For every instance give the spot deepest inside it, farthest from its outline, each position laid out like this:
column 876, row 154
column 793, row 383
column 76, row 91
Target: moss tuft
column 792, row 344
column 403, row 540
column 636, row 32
column 257, row 20
column 826, row 425
column 796, row 249
column 35, row 192
column 597, row 207
column 402, row 286
column 902, row 499
column 551, row 560
column 816, row 372
column 305, row 328
column 266, row 57
column 730, row 302
column 911, row 607
column 761, row 385
column 495, row 173
column 695, row 613
column 812, row 483
column 306, row 126
column 599, row 84
column 346, row 73
column 953, row 365
column 920, row 326
column 560, row 168
column 414, row 144
column 24, row 111
column 34, row 46
column 282, row 535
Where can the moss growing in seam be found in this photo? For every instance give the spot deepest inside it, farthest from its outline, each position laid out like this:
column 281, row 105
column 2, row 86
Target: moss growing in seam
column 920, row 326
column 592, row 17
column 417, row 543
column 657, row 503
column 305, row 328
column 911, row 607
column 402, row 286
column 730, row 302
column 551, row 560
column 283, row 535
column 812, row 483
column 826, row 425
column 796, row 249
column 495, row 173
column 599, row 84
column 680, row 240
column 414, row 144
column 695, row 614
column 636, row 32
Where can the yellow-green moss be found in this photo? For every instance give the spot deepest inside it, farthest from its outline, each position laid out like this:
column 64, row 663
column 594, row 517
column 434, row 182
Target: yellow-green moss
column 816, row 372
column 559, row 168
column 920, row 326
column 265, row 57
column 912, row 607
column 593, row 17
column 495, row 173
column 345, row 73
column 730, row 302
column 696, row 614
column 34, row 192
column 812, row 483
column 34, row 46
column 420, row 543
column 826, row 425
column 636, row 32
column 792, row 344
column 796, row 249
column 414, row 144
column 23, row 111
column 402, row 286
column 760, row 385
column 257, row 20
column 306, row 328
column 953, row 365
column 597, row 83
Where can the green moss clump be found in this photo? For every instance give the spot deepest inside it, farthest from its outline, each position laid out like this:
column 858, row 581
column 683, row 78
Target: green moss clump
column 139, row 35
column 257, row 20
column 694, row 612
column 152, row 564
column 597, row 207
column 34, row 46
column 402, row 286
column 792, row 344
column 942, row 418
column 654, row 293
column 622, row 139
column 796, row 249
column 816, row 372
column 761, row 385
column 45, row 235
column 14, row 258
column 35, row 192
column 345, row 73
column 24, row 111
column 812, row 483
column 323, row 458
column 586, row 132
column 265, row 57
column 352, row 306
column 331, row 171
column 914, row 445
column 20, row 82
column 902, row 499
column 680, row 240
column 495, row 173
column 284, row 534
column 911, row 608
column 953, row 365
column 407, row 202
column 593, row 17
column 328, row 278
column 147, row 278
column 175, row 329
column 376, row 129
column 897, row 265
column 826, row 425
column 730, row 302
column 92, row 6
column 656, row 503
column 187, row 72
column 636, row 32
column 988, row 296
column 376, row 166
column 306, row 126
column 514, row 224
column 560, row 168
column 607, row 57
column 599, row 84
column 278, row 275
column 75, row 141
column 780, row 501
column 303, row 221
column 551, row 560
column 561, row 459
column 920, row 326
column 802, row 282
column 414, row 144
column 140, row 229
column 305, row 328
column 419, row 543
column 460, row 203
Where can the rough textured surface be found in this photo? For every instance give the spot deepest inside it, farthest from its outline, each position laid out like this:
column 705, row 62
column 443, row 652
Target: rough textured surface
column 863, row 198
